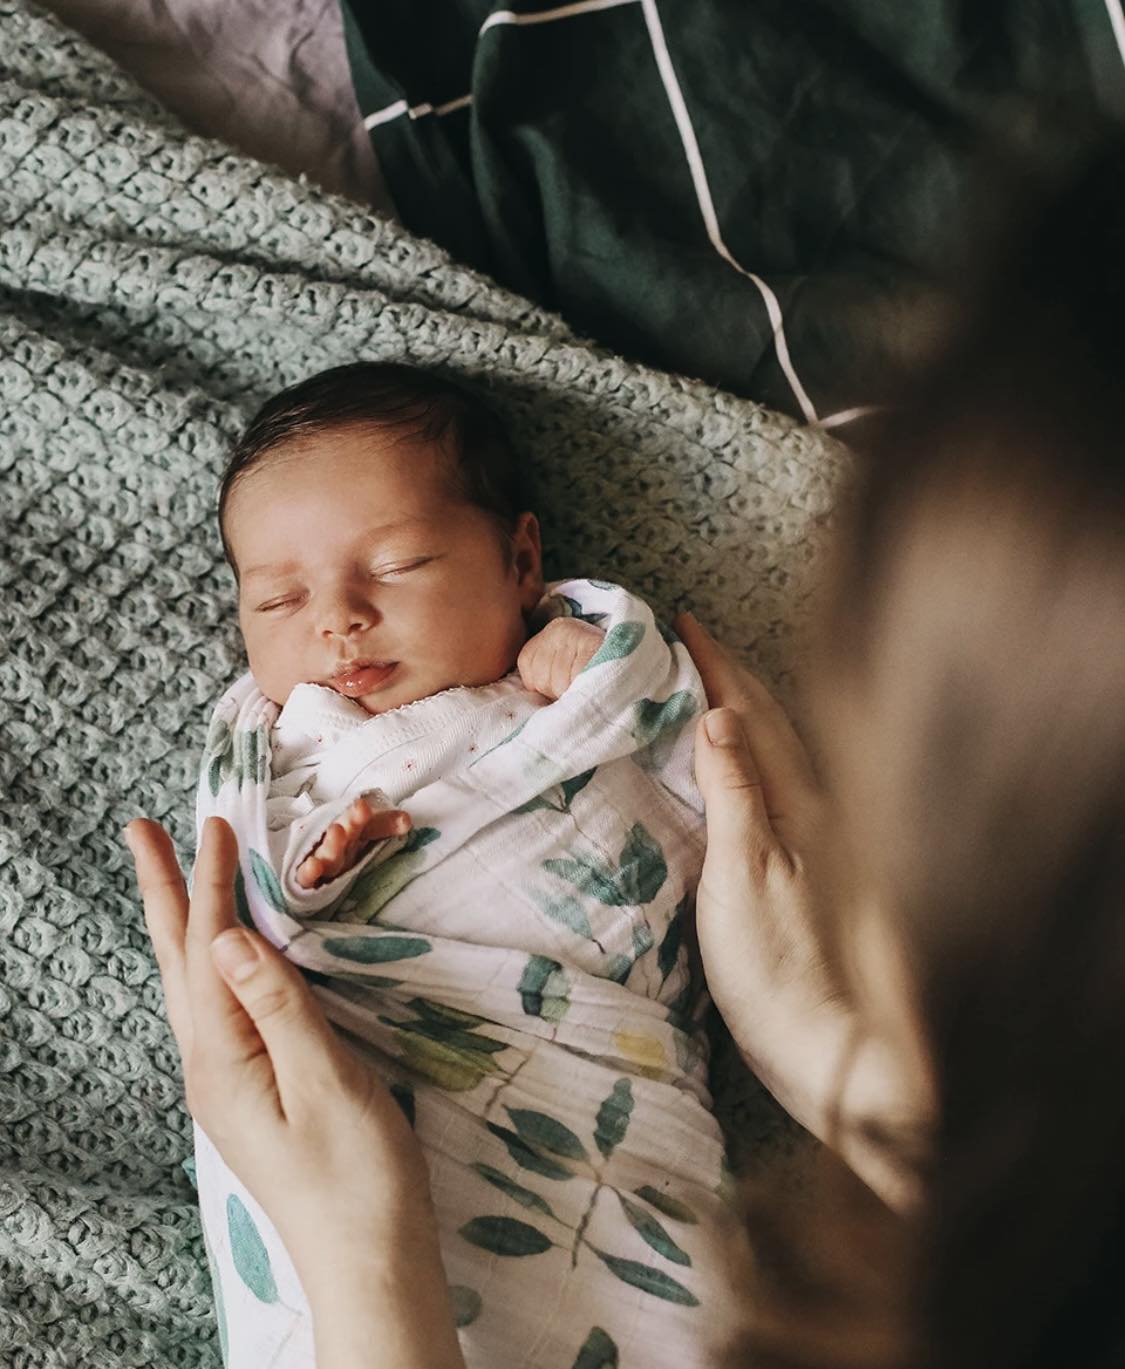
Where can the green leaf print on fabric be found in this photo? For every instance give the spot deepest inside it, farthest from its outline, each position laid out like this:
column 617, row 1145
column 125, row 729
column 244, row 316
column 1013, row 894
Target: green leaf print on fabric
column 639, row 878
column 239, row 754
column 652, row 1233
column 266, row 881
column 439, row 1012
column 188, row 1167
column 652, row 720
column 673, row 939
column 505, row 1236
column 648, row 1280
column 215, row 775
column 403, row 1095
column 668, row 632
column 566, row 792
column 217, row 1298
column 619, row 968
column 527, row 1158
column 517, row 1192
column 466, row 1304
column 665, row 1203
column 539, row 1129
column 251, row 756
column 568, row 911
column 377, row 950
column 442, row 1049
column 643, row 868
column 613, row 1118
column 572, row 787
column 369, row 981
column 573, row 609
column 241, row 902
column 217, row 753
column 589, row 878
column 457, row 1037
column 380, row 882
column 544, row 989
column 598, row 1352
column 248, row 1250
column 447, row 1028
column 642, row 940
column 603, row 584
column 454, row 1071
column 620, row 641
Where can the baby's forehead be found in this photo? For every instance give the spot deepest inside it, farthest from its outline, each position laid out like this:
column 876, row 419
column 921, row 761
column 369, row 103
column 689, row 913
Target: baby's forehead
column 348, row 466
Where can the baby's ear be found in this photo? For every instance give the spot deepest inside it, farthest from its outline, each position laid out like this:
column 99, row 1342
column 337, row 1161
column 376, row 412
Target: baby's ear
column 527, row 560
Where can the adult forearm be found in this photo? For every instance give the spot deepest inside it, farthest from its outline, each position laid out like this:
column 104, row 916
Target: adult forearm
column 391, row 1311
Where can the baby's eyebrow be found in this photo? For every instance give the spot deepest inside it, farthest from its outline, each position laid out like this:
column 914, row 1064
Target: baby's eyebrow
column 274, row 568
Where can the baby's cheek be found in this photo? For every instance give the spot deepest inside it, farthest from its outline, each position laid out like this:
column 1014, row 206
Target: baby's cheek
column 270, row 674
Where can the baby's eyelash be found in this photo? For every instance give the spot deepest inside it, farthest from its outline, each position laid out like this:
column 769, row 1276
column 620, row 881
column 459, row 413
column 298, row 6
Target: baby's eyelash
column 277, row 603
column 381, row 572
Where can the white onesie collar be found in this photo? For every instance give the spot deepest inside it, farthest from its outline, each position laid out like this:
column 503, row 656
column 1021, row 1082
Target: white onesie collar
column 316, row 714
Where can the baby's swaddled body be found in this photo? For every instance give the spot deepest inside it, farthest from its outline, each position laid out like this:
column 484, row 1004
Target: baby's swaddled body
column 516, row 966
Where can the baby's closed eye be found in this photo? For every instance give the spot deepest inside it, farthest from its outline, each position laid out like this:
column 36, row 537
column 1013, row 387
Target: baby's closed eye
column 396, row 569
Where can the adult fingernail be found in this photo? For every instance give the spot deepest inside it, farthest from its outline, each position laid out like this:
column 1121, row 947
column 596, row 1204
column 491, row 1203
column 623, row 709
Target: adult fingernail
column 722, row 727
column 235, row 954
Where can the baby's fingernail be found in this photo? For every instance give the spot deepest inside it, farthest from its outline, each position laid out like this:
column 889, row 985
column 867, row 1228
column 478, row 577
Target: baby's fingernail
column 722, row 727
column 127, row 838
column 235, row 954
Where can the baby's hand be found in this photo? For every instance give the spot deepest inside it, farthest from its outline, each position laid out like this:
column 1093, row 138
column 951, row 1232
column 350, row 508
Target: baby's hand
column 551, row 660
column 347, row 839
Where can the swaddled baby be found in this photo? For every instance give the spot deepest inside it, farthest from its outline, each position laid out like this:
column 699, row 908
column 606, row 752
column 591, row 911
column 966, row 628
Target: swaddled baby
column 513, row 953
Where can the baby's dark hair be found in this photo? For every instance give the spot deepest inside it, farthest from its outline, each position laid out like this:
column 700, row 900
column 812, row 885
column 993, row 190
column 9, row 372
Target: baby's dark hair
column 418, row 403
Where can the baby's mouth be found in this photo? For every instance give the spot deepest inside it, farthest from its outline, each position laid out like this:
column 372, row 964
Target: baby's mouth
column 354, row 679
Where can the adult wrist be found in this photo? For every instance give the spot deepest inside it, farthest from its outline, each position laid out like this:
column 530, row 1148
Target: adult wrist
column 385, row 1302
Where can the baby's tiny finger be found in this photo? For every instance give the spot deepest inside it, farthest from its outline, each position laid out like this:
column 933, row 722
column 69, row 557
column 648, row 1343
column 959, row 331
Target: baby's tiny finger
column 333, row 844
column 308, row 872
column 386, row 822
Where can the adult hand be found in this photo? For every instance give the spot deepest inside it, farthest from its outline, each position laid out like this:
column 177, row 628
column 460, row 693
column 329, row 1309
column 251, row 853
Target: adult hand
column 302, row 1121
column 762, row 940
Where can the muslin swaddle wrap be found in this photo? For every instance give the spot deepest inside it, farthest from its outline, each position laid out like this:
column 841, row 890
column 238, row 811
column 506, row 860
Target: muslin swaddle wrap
column 517, row 967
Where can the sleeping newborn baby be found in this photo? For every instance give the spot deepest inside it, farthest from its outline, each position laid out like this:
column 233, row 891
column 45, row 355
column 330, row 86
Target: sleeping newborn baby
column 465, row 807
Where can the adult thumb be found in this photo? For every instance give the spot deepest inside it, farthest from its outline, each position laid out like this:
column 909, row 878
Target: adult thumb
column 737, row 818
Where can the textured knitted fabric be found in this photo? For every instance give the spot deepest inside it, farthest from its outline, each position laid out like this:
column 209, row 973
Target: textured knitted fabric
column 153, row 289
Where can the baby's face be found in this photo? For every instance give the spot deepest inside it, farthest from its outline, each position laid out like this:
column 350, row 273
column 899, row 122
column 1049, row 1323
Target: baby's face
column 362, row 568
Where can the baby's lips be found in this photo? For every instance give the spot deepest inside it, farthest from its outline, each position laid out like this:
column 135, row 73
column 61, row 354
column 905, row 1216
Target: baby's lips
column 363, row 679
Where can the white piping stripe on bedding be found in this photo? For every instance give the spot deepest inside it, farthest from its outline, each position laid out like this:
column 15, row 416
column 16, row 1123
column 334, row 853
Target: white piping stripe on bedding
column 400, row 107
column 848, row 416
column 707, row 207
column 546, row 16
column 1117, row 20
column 384, row 116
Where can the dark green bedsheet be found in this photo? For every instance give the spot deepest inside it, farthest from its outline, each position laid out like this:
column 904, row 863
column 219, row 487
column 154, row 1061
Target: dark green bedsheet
column 838, row 148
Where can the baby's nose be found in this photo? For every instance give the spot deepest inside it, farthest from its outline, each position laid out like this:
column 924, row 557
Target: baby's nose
column 346, row 616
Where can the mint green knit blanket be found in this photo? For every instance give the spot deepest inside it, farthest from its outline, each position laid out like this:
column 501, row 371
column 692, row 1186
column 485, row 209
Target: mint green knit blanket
column 154, row 288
